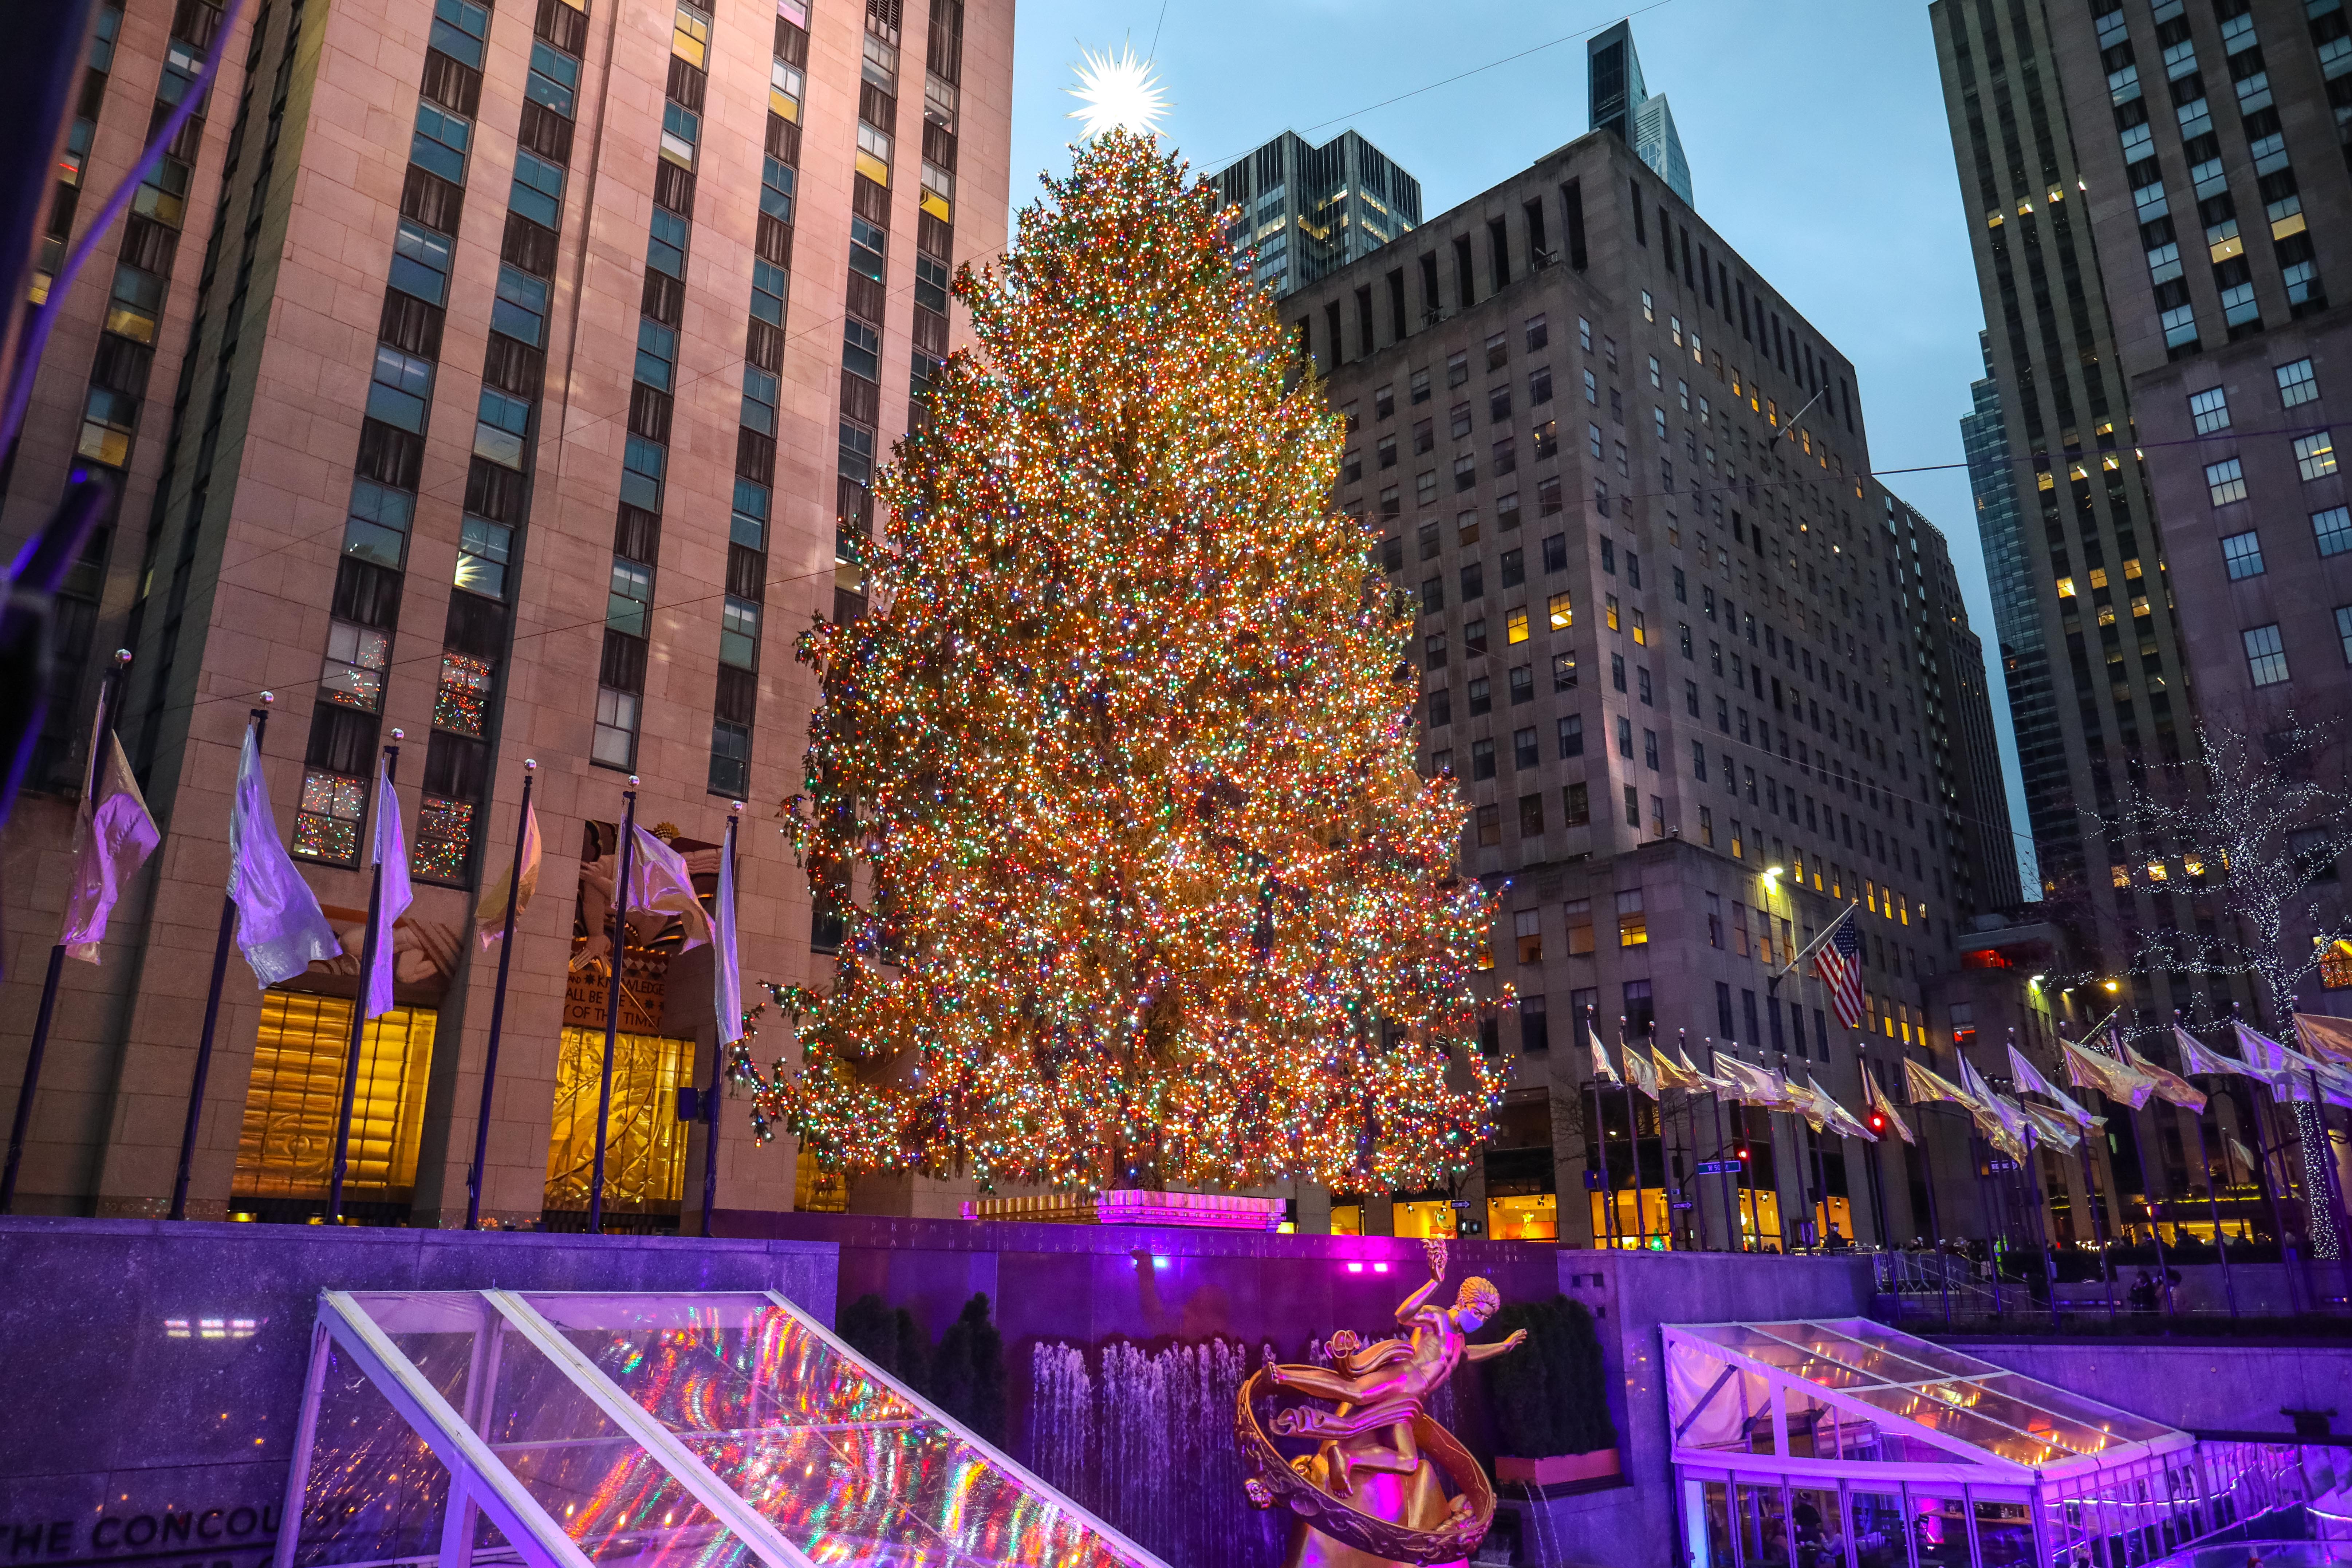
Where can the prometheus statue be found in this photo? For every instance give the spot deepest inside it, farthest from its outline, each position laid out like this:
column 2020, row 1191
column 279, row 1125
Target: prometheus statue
column 1375, row 1488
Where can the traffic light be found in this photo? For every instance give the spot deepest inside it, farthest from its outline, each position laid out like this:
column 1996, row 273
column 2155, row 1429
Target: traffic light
column 1878, row 1121
column 1741, row 1150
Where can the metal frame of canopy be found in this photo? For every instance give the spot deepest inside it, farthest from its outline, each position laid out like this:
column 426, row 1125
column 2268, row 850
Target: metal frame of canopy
column 479, row 1345
column 2003, row 1463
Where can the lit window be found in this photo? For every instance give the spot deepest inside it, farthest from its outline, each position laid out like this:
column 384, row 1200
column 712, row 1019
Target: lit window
column 2314, row 455
column 1563, row 615
column 326, row 825
column 1612, row 605
column 787, row 87
column 690, row 37
column 1515, row 625
column 1633, row 921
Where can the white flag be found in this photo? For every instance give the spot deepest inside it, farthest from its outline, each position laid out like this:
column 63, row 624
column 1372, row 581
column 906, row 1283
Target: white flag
column 394, row 897
column 1600, row 1066
column 726, row 977
column 278, row 927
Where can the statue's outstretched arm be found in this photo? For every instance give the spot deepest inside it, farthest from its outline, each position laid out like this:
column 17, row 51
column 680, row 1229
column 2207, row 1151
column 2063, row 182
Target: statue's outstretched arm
column 1414, row 1303
column 1489, row 1351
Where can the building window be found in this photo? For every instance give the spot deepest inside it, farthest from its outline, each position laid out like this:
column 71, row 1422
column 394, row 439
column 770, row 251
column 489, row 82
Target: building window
column 2297, row 383
column 538, row 189
column 2211, row 410
column 1576, row 811
column 1482, row 760
column 730, row 758
column 2332, row 530
column 616, row 727
column 1523, row 748
column 1490, row 825
column 2242, row 554
column 2344, row 630
column 1424, row 487
column 2225, row 481
column 1563, row 671
column 1515, row 625
column 353, row 672
column 295, row 1090
column 1535, row 1025
column 1633, row 806
column 738, row 633
column 1571, row 736
column 2314, row 455
column 1457, row 370
column 2265, row 655
column 327, row 825
column 463, row 697
column 1531, row 814
column 1418, row 389
column 445, row 839
column 401, row 387
column 500, row 425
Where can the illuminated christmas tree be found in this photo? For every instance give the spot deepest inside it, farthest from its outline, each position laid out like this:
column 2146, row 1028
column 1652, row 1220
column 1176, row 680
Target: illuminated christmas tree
column 1113, row 789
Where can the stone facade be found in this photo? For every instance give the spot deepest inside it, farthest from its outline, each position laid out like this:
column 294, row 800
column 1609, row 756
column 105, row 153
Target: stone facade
column 236, row 583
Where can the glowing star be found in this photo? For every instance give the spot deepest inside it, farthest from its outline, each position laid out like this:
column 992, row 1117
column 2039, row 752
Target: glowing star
column 1116, row 91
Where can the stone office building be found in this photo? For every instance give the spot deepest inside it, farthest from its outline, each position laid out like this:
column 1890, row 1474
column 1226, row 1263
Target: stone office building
column 1675, row 645
column 685, row 268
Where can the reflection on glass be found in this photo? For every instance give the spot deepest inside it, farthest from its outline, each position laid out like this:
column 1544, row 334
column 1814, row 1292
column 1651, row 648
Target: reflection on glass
column 1939, row 1532
column 1763, row 1527
column 1718, row 1525
column 1813, row 1522
column 1874, row 1523
column 2004, row 1534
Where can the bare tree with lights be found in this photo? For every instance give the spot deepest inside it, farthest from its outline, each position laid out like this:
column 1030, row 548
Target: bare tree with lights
column 2256, row 836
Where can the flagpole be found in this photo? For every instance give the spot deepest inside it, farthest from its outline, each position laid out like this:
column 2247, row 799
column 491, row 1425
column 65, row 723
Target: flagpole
column 475, row 1177
column 100, row 748
column 359, row 1014
column 2098, row 1214
column 2148, row 1194
column 613, row 1003
column 256, row 720
column 1714, row 1115
column 1935, row 1223
column 709, row 1107
column 2205, row 1163
column 1634, row 1137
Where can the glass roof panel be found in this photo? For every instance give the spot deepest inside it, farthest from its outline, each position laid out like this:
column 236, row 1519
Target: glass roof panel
column 1983, row 1396
column 1928, row 1411
column 600, row 1486
column 1872, row 1364
column 1773, row 1352
column 836, row 1458
column 2120, row 1425
column 1945, row 1361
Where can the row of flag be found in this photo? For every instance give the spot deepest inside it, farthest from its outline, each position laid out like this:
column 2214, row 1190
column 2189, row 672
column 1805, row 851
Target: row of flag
column 280, row 928
column 2013, row 1125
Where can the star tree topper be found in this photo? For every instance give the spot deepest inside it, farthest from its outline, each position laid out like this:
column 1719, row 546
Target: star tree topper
column 1117, row 91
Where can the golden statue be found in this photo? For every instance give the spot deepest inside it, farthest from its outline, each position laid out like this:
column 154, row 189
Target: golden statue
column 1372, row 1492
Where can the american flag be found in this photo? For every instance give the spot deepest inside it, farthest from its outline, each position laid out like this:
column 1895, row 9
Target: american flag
column 1839, row 963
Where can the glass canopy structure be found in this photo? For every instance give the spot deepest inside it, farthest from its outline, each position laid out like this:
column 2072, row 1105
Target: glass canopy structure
column 1845, row 1443
column 642, row 1431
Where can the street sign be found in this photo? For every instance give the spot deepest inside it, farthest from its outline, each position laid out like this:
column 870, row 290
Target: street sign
column 1717, row 1167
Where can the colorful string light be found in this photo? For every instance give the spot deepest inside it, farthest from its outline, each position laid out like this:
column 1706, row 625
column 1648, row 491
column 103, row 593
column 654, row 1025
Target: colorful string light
column 1114, row 790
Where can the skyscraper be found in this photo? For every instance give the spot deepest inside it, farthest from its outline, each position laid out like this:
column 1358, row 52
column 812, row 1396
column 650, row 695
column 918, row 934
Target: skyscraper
column 1623, row 107
column 2025, row 662
column 2213, row 140
column 1307, row 211
column 2089, row 556
column 523, row 398
column 1676, row 652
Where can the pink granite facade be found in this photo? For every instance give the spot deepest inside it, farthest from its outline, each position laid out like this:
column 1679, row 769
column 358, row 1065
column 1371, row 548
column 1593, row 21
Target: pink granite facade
column 251, row 575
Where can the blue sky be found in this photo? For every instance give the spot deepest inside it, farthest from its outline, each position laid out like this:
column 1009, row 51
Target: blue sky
column 1818, row 147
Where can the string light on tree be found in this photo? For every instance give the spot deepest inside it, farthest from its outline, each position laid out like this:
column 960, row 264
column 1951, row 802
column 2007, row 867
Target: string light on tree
column 1116, row 798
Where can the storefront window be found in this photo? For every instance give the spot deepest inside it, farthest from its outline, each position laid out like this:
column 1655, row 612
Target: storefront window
column 1875, row 1524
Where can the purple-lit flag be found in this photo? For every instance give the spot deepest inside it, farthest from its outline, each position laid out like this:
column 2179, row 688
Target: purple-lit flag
column 117, row 836
column 392, row 855
column 660, row 882
column 278, row 927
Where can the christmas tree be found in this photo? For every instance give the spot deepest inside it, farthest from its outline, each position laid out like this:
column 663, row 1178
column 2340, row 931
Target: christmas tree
column 1113, row 789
